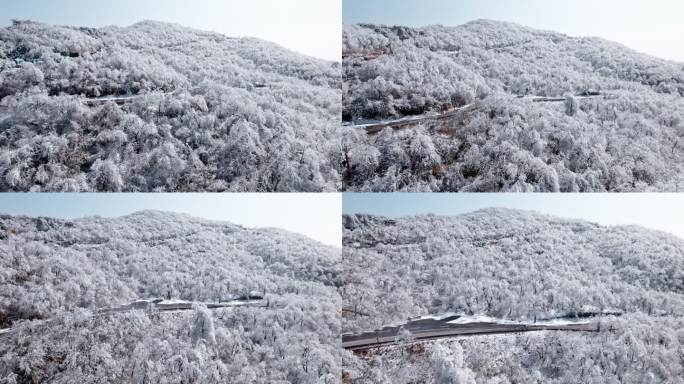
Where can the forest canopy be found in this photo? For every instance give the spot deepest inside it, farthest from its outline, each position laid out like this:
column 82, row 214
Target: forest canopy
column 56, row 275
column 520, row 266
column 606, row 118
column 160, row 107
column 507, row 264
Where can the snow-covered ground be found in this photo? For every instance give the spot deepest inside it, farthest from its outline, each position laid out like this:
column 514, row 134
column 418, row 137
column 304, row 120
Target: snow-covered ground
column 487, row 319
column 481, row 319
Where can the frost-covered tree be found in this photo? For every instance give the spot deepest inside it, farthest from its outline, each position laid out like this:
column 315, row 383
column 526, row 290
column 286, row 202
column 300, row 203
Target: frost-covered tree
column 570, row 105
column 448, row 365
column 203, row 327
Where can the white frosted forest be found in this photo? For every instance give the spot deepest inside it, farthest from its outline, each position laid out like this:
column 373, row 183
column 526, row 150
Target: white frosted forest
column 515, row 266
column 532, row 111
column 160, row 107
column 63, row 284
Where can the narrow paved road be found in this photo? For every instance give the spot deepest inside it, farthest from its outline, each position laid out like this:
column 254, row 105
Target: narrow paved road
column 374, row 128
column 166, row 306
column 426, row 329
column 4, row 114
column 161, row 306
column 104, row 99
column 544, row 99
column 404, row 122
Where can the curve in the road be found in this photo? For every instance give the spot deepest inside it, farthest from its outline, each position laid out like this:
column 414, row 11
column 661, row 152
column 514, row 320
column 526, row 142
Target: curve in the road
column 376, row 127
column 428, row 329
column 162, row 307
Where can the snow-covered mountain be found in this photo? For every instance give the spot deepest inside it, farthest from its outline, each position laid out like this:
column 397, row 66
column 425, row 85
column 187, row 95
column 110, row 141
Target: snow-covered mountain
column 157, row 106
column 55, row 274
column 517, row 265
column 506, row 264
column 618, row 124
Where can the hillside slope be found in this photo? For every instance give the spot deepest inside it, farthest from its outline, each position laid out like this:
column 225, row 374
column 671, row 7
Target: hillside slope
column 57, row 273
column 208, row 112
column 515, row 265
column 506, row 264
column 630, row 136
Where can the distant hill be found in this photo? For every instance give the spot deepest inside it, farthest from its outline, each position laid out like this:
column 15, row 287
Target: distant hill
column 627, row 136
column 57, row 273
column 515, row 265
column 205, row 112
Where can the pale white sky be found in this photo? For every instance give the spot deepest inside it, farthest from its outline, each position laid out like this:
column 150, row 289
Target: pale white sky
column 311, row 27
column 655, row 27
column 316, row 215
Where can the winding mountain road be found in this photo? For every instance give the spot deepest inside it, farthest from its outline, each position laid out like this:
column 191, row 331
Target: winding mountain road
column 120, row 100
column 163, row 306
column 375, row 127
column 179, row 305
column 428, row 329
column 404, row 122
